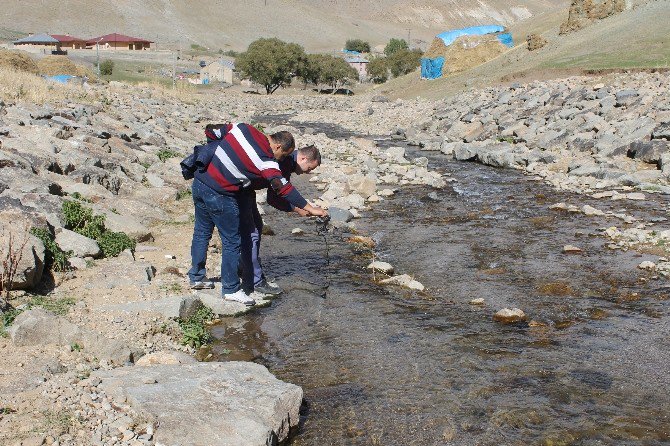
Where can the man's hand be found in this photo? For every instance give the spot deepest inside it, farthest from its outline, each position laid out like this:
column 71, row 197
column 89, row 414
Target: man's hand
column 315, row 211
column 301, row 212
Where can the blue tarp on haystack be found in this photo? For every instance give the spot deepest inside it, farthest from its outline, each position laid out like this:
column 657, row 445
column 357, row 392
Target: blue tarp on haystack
column 429, row 67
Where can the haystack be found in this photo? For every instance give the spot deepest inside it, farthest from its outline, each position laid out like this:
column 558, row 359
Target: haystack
column 17, row 60
column 55, row 65
column 466, row 52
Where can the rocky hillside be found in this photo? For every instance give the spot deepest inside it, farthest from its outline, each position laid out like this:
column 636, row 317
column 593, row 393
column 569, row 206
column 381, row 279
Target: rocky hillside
column 634, row 38
column 318, row 25
column 583, row 12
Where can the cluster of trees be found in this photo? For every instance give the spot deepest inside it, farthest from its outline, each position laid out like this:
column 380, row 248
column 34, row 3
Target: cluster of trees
column 274, row 64
column 399, row 60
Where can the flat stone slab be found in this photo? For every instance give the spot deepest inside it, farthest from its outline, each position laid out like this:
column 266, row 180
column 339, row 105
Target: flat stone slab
column 208, row 404
column 221, row 307
column 171, row 307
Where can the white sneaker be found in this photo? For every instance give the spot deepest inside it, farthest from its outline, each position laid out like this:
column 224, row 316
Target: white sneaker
column 241, row 297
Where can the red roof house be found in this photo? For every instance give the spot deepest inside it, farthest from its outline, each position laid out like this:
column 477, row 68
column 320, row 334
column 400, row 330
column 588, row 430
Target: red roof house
column 119, row 41
column 68, row 41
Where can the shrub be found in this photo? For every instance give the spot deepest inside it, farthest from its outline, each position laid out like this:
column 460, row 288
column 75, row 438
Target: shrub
column 81, row 220
column 394, row 46
column 165, row 154
column 11, row 255
column 54, row 257
column 106, row 67
column 357, row 45
column 114, row 243
column 194, row 329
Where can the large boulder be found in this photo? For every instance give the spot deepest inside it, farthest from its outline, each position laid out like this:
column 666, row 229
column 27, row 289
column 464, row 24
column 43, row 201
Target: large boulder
column 649, row 151
column 79, row 245
column 40, row 327
column 208, row 404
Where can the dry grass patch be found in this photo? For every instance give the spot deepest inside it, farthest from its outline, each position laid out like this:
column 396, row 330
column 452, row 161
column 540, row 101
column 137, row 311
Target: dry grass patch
column 28, row 87
column 18, row 61
column 55, row 65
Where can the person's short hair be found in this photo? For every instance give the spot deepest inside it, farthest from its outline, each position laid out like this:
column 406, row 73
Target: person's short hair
column 215, row 132
column 214, row 126
column 284, row 139
column 311, row 153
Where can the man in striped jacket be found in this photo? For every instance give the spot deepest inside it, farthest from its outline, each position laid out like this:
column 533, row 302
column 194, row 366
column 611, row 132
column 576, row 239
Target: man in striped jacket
column 243, row 159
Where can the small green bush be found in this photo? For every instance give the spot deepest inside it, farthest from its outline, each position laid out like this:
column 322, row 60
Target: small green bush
column 54, row 257
column 81, row 220
column 106, row 67
column 183, row 194
column 114, row 243
column 6, row 319
column 165, row 154
column 194, row 329
column 58, row 306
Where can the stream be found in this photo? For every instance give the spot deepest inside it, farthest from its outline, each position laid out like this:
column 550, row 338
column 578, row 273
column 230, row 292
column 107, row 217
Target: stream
column 382, row 365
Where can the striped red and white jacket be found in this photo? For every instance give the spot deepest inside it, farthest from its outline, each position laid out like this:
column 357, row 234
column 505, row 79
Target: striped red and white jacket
column 243, row 159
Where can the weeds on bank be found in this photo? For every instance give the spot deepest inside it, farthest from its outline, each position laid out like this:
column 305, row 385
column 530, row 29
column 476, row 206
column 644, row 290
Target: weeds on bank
column 58, row 306
column 81, row 220
column 58, row 422
column 194, row 329
column 166, row 154
column 55, row 258
column 184, row 193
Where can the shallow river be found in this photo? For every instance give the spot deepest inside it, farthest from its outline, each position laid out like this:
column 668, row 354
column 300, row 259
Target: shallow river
column 383, row 366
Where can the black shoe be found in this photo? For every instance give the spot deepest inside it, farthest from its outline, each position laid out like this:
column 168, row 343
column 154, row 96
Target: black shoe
column 270, row 289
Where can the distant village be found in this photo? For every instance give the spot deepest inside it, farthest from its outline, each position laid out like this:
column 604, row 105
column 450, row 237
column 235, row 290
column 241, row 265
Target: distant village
column 222, row 70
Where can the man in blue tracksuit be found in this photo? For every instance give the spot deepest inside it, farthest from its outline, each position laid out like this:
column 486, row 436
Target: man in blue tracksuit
column 225, row 172
column 301, row 161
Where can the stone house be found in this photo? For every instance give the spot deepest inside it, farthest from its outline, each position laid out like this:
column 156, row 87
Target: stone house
column 218, row 71
column 360, row 64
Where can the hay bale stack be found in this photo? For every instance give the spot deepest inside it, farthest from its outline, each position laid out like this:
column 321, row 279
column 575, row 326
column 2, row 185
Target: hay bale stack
column 55, row 65
column 466, row 52
column 18, row 61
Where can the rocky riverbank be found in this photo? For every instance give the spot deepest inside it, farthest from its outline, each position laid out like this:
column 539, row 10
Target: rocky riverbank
column 78, row 337
column 71, row 369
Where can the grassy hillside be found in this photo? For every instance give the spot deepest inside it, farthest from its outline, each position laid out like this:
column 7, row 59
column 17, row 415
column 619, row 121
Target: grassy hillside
column 636, row 38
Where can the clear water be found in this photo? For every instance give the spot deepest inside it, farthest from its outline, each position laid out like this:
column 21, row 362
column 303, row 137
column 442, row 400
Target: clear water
column 384, row 366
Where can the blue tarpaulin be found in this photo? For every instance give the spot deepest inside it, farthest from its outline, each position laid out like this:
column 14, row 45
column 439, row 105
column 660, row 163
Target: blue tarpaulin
column 431, row 68
column 448, row 37
column 60, row 78
column 506, row 39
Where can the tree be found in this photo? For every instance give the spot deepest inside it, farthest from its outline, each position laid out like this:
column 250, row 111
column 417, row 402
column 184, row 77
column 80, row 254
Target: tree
column 311, row 70
column 404, row 61
column 378, row 70
column 395, row 45
column 106, row 67
column 271, row 63
column 357, row 45
column 337, row 72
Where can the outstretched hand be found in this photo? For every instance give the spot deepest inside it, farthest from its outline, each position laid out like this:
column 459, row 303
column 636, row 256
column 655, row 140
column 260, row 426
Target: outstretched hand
column 315, row 211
